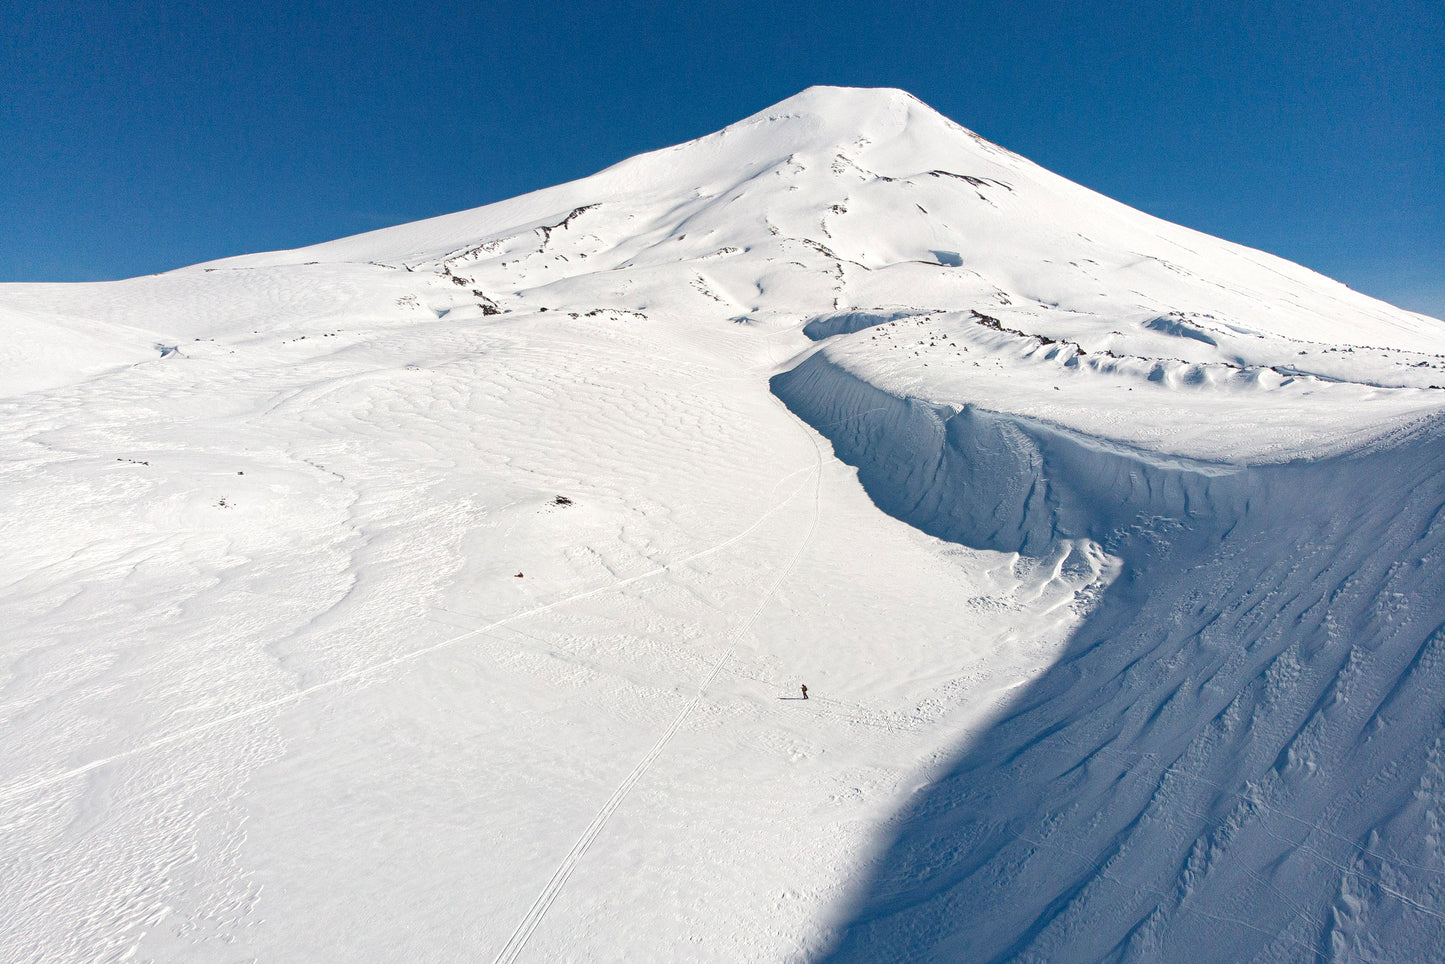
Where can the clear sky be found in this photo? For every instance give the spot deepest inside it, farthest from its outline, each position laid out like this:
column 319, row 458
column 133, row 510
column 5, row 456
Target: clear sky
column 138, row 136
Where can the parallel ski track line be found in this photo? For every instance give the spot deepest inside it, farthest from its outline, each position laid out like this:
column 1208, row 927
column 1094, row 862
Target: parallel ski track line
column 22, row 789
column 550, row 892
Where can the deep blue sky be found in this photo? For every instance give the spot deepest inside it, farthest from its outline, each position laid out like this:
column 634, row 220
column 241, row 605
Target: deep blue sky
column 137, row 137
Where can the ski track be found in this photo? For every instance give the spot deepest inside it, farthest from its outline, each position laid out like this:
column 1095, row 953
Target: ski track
column 19, row 790
column 517, row 942
column 1174, row 746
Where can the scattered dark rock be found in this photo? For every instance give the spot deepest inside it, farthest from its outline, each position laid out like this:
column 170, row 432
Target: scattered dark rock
column 547, row 229
column 989, row 321
column 489, row 307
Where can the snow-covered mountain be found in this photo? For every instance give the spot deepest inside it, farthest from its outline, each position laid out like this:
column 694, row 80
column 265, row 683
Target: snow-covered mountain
column 447, row 591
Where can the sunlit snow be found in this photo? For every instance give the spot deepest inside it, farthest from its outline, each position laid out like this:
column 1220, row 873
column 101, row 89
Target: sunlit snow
column 446, row 592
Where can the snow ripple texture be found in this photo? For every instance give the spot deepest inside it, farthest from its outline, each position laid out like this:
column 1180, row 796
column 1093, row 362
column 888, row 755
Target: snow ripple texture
column 446, row 592
column 1238, row 757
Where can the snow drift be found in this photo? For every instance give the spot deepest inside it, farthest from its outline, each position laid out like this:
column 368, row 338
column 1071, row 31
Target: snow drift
column 446, row 591
column 995, row 481
column 1237, row 757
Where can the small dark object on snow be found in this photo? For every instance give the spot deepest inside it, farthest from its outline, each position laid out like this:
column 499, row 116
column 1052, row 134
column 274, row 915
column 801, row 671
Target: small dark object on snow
column 518, row 576
column 805, row 691
column 562, row 500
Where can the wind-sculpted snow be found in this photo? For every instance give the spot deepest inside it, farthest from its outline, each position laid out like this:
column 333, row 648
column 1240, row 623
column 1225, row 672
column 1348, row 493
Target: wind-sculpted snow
column 847, row 322
column 448, row 592
column 1238, row 758
column 1001, row 482
column 1181, row 329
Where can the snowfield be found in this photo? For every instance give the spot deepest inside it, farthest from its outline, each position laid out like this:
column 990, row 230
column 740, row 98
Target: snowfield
column 446, row 592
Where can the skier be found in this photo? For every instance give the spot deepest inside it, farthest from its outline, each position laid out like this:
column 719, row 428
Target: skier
column 805, row 691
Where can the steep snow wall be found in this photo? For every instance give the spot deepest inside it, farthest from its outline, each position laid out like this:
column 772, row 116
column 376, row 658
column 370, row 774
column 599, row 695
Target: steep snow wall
column 1003, row 482
column 1238, row 758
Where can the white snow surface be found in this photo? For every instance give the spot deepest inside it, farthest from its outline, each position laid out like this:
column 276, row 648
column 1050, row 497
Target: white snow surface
column 445, row 592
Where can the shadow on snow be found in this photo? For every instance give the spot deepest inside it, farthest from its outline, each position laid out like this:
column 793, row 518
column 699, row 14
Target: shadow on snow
column 1239, row 755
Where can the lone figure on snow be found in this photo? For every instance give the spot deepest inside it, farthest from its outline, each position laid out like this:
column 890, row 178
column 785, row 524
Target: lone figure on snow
column 805, row 691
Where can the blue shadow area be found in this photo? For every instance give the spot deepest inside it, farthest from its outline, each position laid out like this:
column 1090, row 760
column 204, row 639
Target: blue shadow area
column 1239, row 755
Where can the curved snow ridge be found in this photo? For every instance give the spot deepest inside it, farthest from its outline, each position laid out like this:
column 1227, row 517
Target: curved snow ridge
column 1184, row 375
column 1238, row 758
column 1180, row 328
column 947, row 329
column 991, row 480
column 855, row 320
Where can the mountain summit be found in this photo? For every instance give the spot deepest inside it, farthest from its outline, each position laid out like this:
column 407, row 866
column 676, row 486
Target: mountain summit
column 452, row 590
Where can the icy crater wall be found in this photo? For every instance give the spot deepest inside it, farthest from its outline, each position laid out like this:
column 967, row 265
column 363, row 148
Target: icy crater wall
column 1241, row 754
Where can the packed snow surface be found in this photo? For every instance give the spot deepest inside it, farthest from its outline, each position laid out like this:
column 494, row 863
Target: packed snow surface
column 447, row 592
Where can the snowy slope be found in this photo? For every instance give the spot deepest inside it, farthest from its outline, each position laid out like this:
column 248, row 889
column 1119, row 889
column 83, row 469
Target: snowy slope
column 1109, row 553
